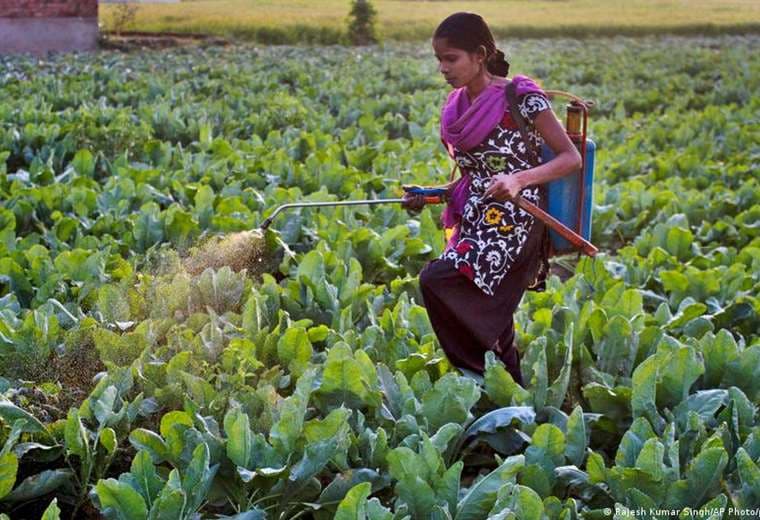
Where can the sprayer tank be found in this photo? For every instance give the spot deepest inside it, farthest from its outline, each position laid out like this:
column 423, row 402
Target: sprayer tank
column 565, row 201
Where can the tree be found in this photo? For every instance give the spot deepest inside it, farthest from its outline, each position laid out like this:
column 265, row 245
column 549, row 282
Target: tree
column 361, row 23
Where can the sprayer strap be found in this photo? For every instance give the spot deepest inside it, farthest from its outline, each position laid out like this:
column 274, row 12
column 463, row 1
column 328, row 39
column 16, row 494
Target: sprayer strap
column 518, row 118
column 450, row 149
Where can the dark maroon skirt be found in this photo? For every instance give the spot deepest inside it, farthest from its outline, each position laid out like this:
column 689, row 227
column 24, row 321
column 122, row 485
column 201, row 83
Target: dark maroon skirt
column 467, row 321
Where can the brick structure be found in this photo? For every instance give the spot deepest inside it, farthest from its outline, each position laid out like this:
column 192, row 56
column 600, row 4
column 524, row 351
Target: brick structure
column 40, row 26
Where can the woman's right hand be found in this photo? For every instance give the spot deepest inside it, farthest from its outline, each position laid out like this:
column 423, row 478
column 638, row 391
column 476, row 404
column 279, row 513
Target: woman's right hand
column 413, row 203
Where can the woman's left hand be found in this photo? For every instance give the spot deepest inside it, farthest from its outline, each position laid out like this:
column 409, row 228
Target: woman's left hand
column 505, row 187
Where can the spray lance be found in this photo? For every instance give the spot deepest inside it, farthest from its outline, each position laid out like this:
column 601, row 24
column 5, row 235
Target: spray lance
column 431, row 196
column 437, row 196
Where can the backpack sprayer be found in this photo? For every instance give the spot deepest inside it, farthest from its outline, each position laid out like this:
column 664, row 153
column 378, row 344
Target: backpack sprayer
column 571, row 197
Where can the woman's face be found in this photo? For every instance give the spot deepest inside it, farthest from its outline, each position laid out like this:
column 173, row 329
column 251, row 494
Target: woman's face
column 458, row 66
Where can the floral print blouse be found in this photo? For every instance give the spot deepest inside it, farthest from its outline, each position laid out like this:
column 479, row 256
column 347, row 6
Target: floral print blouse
column 492, row 233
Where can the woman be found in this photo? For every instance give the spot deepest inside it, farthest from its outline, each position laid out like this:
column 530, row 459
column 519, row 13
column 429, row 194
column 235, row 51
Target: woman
column 497, row 250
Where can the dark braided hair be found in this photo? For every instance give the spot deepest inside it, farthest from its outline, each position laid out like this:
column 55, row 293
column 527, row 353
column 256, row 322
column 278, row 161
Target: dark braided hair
column 468, row 31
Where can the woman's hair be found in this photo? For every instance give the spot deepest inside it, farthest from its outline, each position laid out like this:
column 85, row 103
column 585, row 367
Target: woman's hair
column 468, row 31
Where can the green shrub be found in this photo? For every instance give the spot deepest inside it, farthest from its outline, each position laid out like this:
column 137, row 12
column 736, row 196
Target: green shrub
column 361, row 23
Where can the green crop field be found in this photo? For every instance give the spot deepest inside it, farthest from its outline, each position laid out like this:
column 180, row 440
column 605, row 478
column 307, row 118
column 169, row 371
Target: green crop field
column 312, row 386
column 292, row 21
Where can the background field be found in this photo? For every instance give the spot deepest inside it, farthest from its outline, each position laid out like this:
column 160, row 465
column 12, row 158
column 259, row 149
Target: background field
column 299, row 20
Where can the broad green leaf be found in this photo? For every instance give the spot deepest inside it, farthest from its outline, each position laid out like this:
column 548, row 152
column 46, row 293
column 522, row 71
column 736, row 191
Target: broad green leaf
column 75, row 435
column 684, row 368
column 52, row 512
column 713, row 510
column 632, row 443
column 239, row 438
column 637, row 499
column 173, row 427
column 705, row 403
column 107, row 439
column 493, row 421
column 615, row 402
column 569, row 480
column 84, row 163
column 322, row 429
column 623, row 302
column 417, row 495
column 221, row 290
column 556, row 393
column 744, row 372
column 347, row 379
column 539, row 380
column 447, row 486
column 10, row 413
column 651, row 459
column 144, row 477
column 8, row 469
column 294, row 350
column 318, row 333
column 181, row 227
column 117, row 350
column 198, row 476
column 292, row 411
column 17, row 279
column 152, row 443
column 40, row 484
column 120, row 500
column 450, row 400
column 745, row 409
column 575, row 449
column 550, row 442
column 685, row 314
column 315, row 458
column 113, row 304
column 702, row 479
column 674, row 281
column 597, row 471
column 718, row 351
column 376, row 511
column 522, row 500
column 404, row 464
column 443, row 437
column 343, row 482
column 500, row 387
column 481, row 496
column 312, row 267
column 81, row 265
column 354, row 505
column 204, row 203
column 616, row 353
column 749, row 473
column 679, row 242
column 644, row 392
column 540, row 478
column 171, row 501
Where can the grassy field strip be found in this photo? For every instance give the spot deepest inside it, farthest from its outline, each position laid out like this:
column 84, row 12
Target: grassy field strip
column 298, row 20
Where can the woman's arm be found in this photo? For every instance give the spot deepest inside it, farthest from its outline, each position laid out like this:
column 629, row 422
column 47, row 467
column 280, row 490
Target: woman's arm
column 566, row 160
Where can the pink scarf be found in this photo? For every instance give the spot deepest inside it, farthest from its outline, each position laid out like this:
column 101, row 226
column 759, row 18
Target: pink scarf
column 466, row 125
